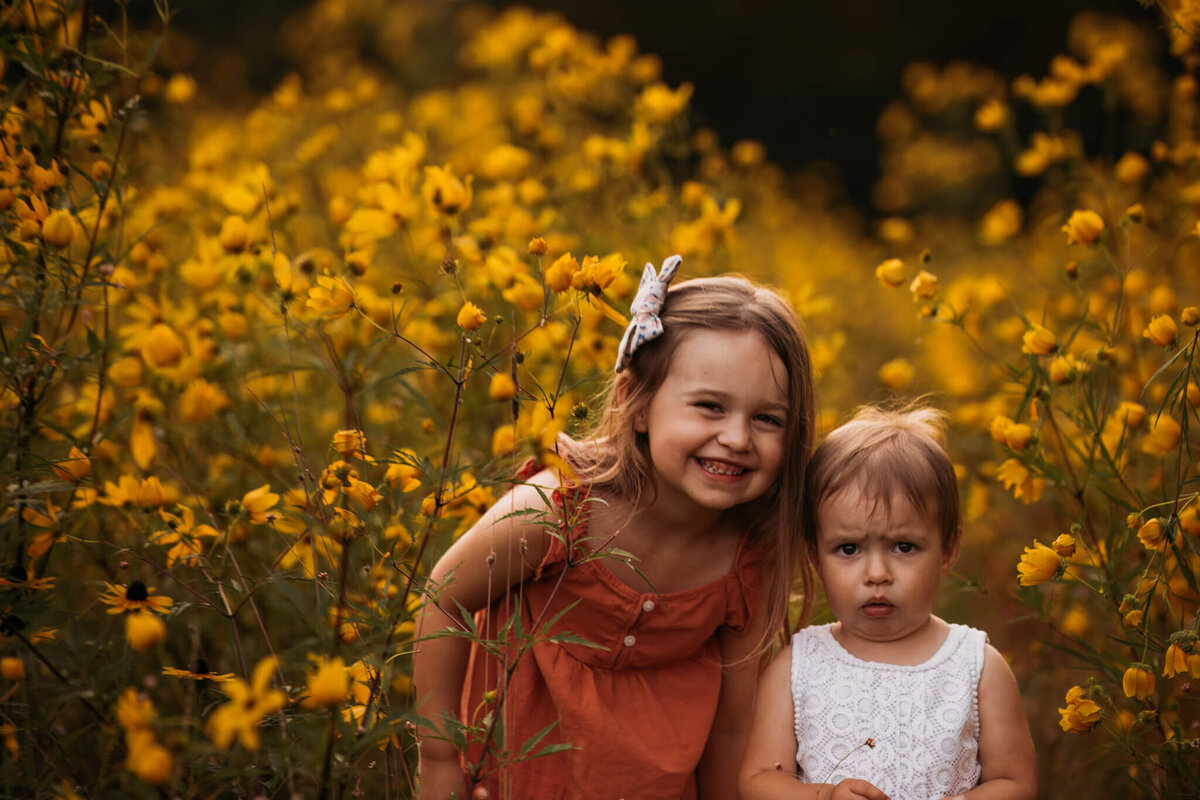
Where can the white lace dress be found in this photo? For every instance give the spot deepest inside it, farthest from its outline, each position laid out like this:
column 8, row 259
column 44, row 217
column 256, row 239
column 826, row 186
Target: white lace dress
column 923, row 719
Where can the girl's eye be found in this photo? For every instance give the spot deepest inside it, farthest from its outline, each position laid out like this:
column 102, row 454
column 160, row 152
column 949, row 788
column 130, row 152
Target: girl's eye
column 708, row 405
column 770, row 420
column 906, row 547
column 846, row 549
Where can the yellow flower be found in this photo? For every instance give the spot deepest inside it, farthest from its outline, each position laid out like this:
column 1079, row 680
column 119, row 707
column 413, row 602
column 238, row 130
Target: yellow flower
column 58, row 229
column 1038, row 565
column 201, row 400
column 135, row 597
column 160, row 346
column 991, row 116
column 537, row 246
column 897, row 373
column 1039, row 341
column 350, row 442
column 144, row 630
column 134, row 710
column 1161, row 330
column 470, row 316
column 1067, row 368
column 1190, row 316
column 183, row 535
column 148, row 759
column 561, row 272
column 1163, row 436
column 1064, row 545
column 1183, row 655
column 503, row 441
column 445, row 192
column 891, row 273
column 332, row 297
column 924, row 286
column 1016, row 477
column 403, row 473
column 329, row 685
column 259, row 502
column 1081, row 714
column 597, row 274
column 126, row 372
column 1130, row 413
column 1084, row 227
column 658, row 103
column 1017, row 435
column 502, row 387
column 74, row 468
column 1133, row 618
column 248, row 704
column 1138, row 681
column 12, row 668
column 1150, row 534
column 235, row 234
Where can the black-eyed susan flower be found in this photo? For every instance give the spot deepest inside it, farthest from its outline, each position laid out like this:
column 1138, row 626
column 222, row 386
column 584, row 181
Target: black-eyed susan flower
column 1138, row 681
column 248, row 704
column 182, row 537
column 445, row 192
column 58, row 229
column 1038, row 564
column 134, row 597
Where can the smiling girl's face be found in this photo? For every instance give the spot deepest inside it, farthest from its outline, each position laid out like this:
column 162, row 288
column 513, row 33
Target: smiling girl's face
column 716, row 426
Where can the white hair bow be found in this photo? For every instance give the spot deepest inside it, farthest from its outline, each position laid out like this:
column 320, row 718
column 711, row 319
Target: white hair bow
column 647, row 304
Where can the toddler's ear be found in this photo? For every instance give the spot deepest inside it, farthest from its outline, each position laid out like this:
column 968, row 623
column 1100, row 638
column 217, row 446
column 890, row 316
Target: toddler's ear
column 950, row 554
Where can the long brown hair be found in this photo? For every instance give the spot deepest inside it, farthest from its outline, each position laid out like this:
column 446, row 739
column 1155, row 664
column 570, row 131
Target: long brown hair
column 616, row 459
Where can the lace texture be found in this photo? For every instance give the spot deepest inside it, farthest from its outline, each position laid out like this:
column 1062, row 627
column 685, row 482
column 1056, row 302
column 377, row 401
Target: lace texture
column 923, row 718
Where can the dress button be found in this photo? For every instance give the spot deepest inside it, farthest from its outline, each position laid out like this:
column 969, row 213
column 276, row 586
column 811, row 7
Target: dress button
column 630, row 640
column 648, row 606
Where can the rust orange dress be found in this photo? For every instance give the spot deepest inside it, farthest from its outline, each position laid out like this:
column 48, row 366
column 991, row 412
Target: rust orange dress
column 637, row 709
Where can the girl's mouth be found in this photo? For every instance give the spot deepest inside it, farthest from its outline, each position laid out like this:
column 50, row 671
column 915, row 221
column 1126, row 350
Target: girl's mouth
column 720, row 467
column 878, row 608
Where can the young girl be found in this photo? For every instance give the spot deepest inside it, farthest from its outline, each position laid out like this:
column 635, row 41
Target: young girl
column 697, row 471
column 889, row 701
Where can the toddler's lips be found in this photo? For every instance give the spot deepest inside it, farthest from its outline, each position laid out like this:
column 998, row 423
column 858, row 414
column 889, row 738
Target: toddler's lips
column 878, row 608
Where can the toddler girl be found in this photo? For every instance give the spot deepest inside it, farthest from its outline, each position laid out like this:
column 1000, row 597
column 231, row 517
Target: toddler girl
column 696, row 471
column 889, row 701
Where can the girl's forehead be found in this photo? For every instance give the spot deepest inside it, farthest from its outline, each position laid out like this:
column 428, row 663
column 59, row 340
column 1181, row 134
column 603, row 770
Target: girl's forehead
column 718, row 353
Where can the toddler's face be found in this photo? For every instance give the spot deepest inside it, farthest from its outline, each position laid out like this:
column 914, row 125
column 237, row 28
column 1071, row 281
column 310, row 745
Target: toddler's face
column 880, row 566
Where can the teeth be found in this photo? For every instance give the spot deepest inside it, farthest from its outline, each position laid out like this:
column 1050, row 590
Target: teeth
column 720, row 469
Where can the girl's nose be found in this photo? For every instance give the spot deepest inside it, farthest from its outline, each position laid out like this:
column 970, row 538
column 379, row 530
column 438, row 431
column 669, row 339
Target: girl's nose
column 877, row 569
column 734, row 433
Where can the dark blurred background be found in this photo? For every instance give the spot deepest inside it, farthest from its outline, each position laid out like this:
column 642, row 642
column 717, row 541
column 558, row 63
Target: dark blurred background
column 808, row 79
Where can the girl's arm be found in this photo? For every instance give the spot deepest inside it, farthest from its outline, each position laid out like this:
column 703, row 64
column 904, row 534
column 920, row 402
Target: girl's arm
column 1006, row 751
column 768, row 769
column 464, row 576
column 717, row 772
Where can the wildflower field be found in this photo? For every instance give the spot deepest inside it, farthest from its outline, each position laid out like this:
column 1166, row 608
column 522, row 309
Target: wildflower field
column 260, row 365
